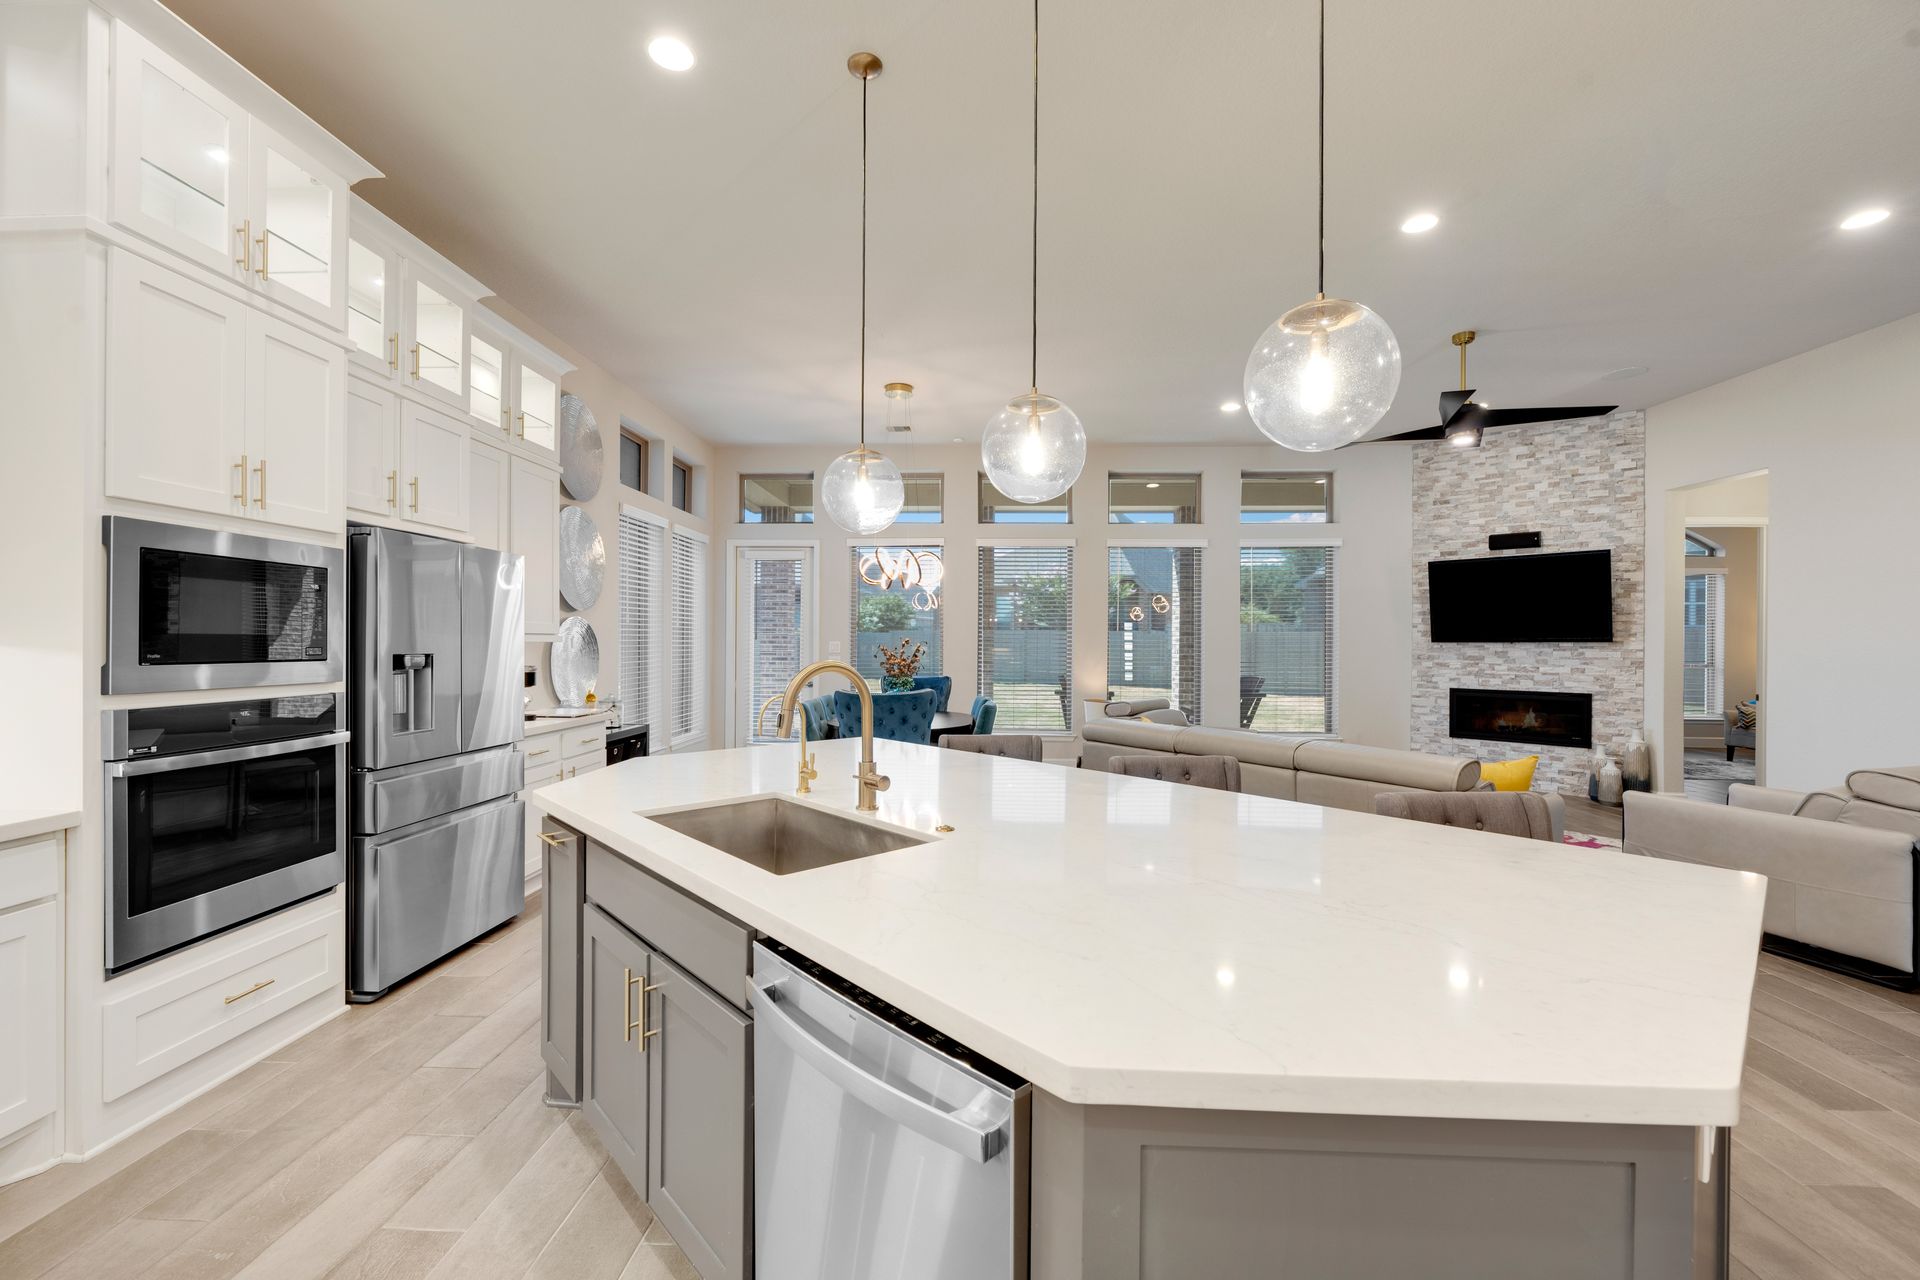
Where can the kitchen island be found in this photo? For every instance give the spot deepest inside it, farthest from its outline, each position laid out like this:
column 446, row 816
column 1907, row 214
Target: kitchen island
column 1264, row 1035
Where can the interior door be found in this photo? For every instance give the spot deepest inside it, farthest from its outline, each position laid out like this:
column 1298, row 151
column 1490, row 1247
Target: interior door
column 176, row 390
column 295, row 387
column 613, row 981
column 405, row 633
column 774, row 631
column 373, row 449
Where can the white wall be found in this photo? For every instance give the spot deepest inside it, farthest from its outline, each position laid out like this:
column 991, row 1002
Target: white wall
column 1837, row 429
column 1372, row 509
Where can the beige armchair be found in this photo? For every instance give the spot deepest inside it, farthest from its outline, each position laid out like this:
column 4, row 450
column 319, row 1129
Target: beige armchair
column 1839, row 864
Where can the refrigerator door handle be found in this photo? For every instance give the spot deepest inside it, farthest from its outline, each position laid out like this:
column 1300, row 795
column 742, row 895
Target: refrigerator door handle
column 979, row 1144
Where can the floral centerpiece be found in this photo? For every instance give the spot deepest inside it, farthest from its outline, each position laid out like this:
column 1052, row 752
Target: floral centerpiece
column 900, row 664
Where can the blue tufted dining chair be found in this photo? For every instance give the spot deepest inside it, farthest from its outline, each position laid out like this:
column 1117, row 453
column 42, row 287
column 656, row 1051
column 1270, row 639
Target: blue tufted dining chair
column 983, row 712
column 819, row 714
column 942, row 687
column 906, row 716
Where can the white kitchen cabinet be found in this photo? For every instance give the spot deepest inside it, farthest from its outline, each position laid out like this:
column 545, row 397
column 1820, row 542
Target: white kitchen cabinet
column 433, row 467
column 176, row 390
column 436, row 317
column 29, row 982
column 515, row 386
column 373, row 449
column 489, row 394
column 373, row 305
column 179, row 157
column 533, row 524
column 537, row 407
column 487, row 496
column 196, row 174
column 296, row 386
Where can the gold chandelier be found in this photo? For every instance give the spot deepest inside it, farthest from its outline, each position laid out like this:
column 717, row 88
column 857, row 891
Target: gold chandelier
column 917, row 573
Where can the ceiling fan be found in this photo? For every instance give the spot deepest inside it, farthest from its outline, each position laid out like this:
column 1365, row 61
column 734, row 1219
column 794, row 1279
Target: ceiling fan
column 1463, row 420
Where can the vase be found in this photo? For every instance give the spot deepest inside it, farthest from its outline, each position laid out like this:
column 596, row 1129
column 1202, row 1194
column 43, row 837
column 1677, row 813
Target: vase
column 1595, row 764
column 1610, row 788
column 1636, row 765
column 896, row 684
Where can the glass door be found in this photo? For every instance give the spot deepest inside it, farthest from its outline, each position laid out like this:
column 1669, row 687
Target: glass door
column 539, row 407
column 437, row 356
column 774, row 631
column 179, row 158
column 299, row 226
column 373, row 326
column 487, row 380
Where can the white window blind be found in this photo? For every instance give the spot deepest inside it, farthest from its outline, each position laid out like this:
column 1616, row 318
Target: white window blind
column 887, row 615
column 1026, row 637
column 642, row 559
column 688, row 647
column 1153, row 625
column 1287, row 639
column 1704, row 640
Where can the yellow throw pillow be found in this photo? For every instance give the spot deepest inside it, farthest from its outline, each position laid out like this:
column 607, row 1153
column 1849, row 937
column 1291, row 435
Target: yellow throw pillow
column 1509, row 775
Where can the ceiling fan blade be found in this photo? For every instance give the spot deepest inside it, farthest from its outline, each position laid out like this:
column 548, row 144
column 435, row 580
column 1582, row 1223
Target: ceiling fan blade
column 1425, row 433
column 1451, row 403
column 1560, row 413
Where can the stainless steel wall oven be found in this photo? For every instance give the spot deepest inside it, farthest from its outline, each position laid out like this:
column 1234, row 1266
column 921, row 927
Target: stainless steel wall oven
column 216, row 814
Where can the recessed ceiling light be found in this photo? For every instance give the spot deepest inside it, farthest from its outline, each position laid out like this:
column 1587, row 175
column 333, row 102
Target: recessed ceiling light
column 1863, row 218
column 1153, row 484
column 670, row 52
column 1420, row 222
column 1229, row 406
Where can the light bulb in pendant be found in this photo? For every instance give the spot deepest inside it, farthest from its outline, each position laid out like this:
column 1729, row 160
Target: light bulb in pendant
column 1322, row 375
column 1316, row 376
column 1034, row 448
column 862, row 491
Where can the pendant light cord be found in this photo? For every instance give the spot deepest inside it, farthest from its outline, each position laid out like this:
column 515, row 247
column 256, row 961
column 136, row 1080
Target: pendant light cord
column 1322, row 288
column 1033, row 366
column 864, row 81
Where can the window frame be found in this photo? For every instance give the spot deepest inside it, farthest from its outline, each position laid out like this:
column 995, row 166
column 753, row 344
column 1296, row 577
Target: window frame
column 855, row 547
column 1330, row 661
column 649, row 676
column 1198, row 546
column 982, row 511
column 700, row 717
column 1714, row 665
column 1261, row 473
column 681, row 478
column 813, row 505
column 983, row 649
column 1161, row 477
column 939, row 479
column 629, row 436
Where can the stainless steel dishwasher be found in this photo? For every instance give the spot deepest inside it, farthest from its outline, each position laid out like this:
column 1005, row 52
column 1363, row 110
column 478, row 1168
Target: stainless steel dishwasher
column 881, row 1148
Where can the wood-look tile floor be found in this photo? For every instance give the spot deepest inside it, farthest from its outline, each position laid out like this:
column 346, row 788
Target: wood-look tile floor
column 407, row 1138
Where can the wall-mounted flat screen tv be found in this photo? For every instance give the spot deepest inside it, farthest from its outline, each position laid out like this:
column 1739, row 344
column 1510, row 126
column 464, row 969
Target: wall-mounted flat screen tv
column 1504, row 599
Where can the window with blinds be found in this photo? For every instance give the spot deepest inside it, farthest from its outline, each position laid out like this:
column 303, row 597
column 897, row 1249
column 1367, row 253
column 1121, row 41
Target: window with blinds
column 1287, row 639
column 687, row 644
column 888, row 615
column 642, row 563
column 1153, row 625
column 1026, row 637
column 1703, row 652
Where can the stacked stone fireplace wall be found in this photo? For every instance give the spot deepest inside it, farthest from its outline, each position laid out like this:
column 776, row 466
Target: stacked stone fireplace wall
column 1583, row 487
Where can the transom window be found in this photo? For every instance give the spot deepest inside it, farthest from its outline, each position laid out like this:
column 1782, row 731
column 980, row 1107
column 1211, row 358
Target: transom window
column 776, row 499
column 1153, row 498
column 997, row 508
column 925, row 498
column 1286, row 497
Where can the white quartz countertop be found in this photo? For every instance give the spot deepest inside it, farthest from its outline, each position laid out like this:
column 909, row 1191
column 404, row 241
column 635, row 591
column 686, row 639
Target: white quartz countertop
column 1131, row 942
column 539, row 724
column 20, row 822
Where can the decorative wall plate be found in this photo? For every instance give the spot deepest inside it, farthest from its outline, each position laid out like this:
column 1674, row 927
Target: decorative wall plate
column 573, row 663
column 582, row 456
column 583, row 558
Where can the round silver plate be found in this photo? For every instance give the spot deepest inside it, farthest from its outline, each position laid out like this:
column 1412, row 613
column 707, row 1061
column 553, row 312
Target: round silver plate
column 574, row 662
column 581, row 453
column 583, row 558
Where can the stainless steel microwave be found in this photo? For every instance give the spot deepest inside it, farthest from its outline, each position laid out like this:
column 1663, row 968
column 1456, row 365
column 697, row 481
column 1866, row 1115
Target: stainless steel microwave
column 202, row 609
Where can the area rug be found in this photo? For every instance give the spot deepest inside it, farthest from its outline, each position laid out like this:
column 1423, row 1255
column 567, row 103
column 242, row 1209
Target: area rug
column 1580, row 840
column 1714, row 766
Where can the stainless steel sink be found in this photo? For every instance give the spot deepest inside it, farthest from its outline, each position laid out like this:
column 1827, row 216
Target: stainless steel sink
column 783, row 836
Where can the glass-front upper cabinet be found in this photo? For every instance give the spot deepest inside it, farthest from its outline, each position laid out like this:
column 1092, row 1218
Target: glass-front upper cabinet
column 438, row 357
column 179, row 158
column 373, row 281
column 300, row 234
column 487, row 379
column 539, row 407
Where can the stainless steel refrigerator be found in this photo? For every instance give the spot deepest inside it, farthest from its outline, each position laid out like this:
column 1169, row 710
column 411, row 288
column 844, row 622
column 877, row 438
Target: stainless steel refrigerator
column 436, row 638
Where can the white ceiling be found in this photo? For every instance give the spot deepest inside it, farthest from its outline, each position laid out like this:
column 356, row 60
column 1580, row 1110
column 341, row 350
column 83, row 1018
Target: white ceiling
column 1637, row 182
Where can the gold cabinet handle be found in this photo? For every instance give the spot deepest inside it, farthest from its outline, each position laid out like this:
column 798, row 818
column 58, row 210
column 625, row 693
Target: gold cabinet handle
column 245, row 232
column 265, row 982
column 558, row 839
column 241, row 467
column 393, row 361
column 416, row 362
column 261, row 240
column 414, row 484
column 645, row 1034
column 522, row 433
column 260, row 499
column 506, row 419
column 393, row 490
column 626, row 1006
column 542, row 751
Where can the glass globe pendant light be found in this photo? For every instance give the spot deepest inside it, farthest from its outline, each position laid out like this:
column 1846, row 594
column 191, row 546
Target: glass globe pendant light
column 1034, row 447
column 861, row 490
column 1325, row 373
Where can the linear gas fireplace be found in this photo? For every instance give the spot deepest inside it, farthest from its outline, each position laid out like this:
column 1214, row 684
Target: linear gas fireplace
column 1511, row 715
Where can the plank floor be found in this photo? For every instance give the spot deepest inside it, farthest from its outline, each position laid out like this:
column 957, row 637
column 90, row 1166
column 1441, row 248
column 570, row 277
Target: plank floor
column 407, row 1139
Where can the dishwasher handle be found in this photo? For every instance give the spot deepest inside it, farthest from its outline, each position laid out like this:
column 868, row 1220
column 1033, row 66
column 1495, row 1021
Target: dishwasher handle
column 943, row 1127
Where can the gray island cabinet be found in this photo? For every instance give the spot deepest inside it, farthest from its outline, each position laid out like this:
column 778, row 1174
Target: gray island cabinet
column 1263, row 1038
column 652, row 992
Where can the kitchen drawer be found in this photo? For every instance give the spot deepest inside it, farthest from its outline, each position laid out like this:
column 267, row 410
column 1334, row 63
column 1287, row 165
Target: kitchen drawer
column 590, row 741
column 585, row 765
column 153, row 1029
column 543, row 759
column 714, row 948
column 29, row 870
